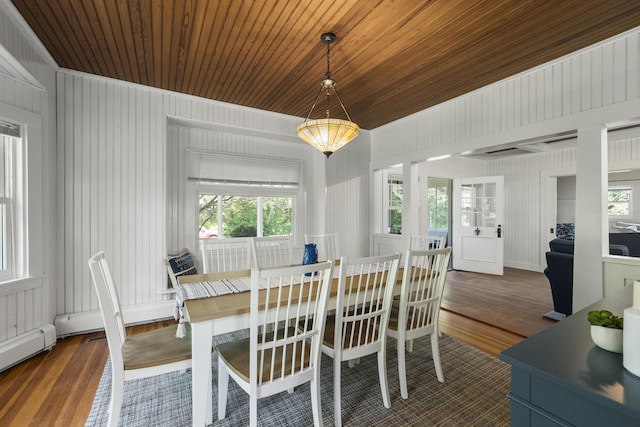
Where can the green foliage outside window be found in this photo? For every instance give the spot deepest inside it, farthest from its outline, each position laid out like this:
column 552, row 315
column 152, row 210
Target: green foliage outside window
column 395, row 205
column 240, row 215
column 438, row 202
column 619, row 201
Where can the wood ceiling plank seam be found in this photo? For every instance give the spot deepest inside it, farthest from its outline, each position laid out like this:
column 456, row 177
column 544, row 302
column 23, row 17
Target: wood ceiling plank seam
column 477, row 85
column 139, row 21
column 243, row 51
column 402, row 68
column 124, row 9
column 274, row 54
column 163, row 51
column 75, row 42
column 71, row 58
column 171, row 53
column 42, row 27
column 209, row 58
column 377, row 17
column 115, row 25
column 222, row 46
column 237, row 33
column 303, row 75
column 89, row 43
column 196, row 46
column 156, row 8
column 261, row 56
column 113, row 52
column 303, row 79
column 101, row 43
column 184, row 40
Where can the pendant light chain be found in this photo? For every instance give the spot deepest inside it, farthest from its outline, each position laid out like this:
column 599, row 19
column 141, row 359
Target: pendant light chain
column 328, row 134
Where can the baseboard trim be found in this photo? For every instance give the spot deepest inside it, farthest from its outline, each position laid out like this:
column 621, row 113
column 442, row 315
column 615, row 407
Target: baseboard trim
column 80, row 323
column 17, row 349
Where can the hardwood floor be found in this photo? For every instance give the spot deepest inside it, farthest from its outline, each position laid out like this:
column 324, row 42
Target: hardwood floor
column 56, row 388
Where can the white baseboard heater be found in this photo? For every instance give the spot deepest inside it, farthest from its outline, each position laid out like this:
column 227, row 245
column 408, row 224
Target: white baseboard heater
column 17, row 349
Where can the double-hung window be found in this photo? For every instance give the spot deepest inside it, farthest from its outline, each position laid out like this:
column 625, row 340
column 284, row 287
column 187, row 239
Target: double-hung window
column 9, row 200
column 241, row 196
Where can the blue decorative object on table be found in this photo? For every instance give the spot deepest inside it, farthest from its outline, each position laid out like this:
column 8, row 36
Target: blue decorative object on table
column 310, row 255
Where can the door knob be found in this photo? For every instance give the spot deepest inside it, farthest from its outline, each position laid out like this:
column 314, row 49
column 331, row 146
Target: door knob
column 477, row 231
column 499, row 231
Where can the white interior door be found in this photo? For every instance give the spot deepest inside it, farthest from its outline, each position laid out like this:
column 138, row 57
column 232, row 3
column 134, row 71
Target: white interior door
column 478, row 214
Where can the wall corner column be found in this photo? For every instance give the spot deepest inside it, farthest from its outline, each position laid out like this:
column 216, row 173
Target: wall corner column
column 591, row 241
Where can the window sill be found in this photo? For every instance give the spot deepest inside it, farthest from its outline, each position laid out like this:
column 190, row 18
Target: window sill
column 21, row 284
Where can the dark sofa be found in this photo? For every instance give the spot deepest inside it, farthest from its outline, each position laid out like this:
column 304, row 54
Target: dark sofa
column 559, row 271
column 630, row 240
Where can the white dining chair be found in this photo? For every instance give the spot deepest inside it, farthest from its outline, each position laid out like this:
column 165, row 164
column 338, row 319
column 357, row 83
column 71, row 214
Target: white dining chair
column 272, row 251
column 267, row 363
column 222, row 255
column 415, row 313
column 424, row 243
column 327, row 245
column 138, row 356
column 358, row 328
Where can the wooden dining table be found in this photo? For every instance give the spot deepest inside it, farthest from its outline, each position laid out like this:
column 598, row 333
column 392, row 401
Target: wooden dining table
column 219, row 315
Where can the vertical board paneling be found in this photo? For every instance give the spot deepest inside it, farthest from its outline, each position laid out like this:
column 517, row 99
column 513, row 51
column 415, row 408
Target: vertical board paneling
column 596, row 77
column 123, row 172
column 23, row 307
column 522, row 195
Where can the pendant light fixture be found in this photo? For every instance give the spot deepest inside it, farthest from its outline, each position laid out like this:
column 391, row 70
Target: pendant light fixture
column 328, row 134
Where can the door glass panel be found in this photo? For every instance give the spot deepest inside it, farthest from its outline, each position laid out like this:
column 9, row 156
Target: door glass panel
column 478, row 205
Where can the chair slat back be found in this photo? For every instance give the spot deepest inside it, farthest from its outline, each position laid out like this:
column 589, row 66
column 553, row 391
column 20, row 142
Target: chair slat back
column 109, row 306
column 365, row 292
column 327, row 245
column 222, row 255
column 423, row 283
column 429, row 242
column 286, row 332
column 272, row 251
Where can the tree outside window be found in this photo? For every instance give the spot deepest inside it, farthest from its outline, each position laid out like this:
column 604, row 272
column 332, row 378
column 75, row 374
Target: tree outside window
column 395, row 204
column 619, row 201
column 237, row 216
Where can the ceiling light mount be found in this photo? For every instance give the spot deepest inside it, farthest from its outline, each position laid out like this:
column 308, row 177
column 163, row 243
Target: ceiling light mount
column 328, row 134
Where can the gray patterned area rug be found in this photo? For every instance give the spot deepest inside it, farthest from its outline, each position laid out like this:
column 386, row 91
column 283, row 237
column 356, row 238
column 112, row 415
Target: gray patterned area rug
column 473, row 394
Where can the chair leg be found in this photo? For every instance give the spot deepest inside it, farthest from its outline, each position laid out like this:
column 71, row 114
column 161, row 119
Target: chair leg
column 337, row 412
column 223, row 388
column 316, row 404
column 382, row 374
column 435, row 352
column 117, row 391
column 402, row 368
column 253, row 411
column 410, row 346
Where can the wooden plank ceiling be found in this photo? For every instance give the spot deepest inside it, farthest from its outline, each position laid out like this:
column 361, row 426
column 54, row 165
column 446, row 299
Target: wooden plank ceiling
column 391, row 59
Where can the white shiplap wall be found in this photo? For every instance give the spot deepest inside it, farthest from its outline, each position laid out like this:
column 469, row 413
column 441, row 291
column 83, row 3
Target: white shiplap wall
column 596, row 86
column 27, row 97
column 121, row 147
column 523, row 194
column 528, row 105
